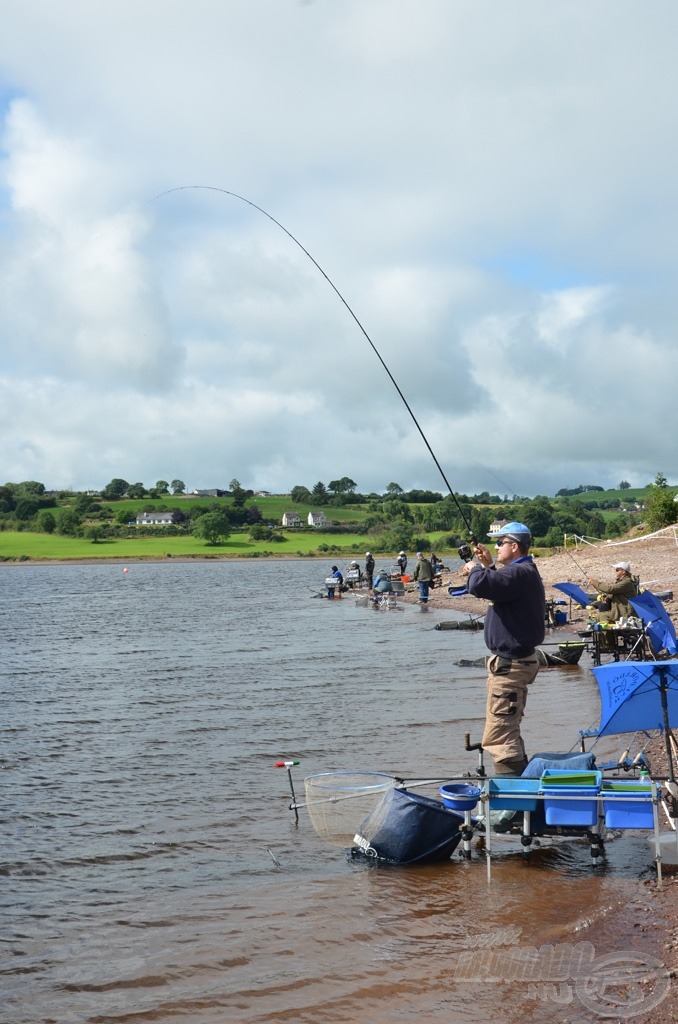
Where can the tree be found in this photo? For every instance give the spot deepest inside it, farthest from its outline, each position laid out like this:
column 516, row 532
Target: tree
column 26, row 508
column 660, row 480
column 661, row 508
column 32, row 487
column 538, row 515
column 259, row 531
column 115, row 490
column 234, row 485
column 162, row 487
column 239, row 495
column 212, row 527
column 45, row 521
column 178, row 487
column 343, row 486
column 301, row 495
column 68, row 522
column 7, row 501
column 624, row 485
column 319, row 493
column 136, row 490
column 394, row 489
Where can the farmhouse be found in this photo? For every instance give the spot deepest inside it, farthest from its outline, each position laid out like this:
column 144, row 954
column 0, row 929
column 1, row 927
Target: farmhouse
column 496, row 527
column 291, row 519
column 317, row 519
column 154, row 519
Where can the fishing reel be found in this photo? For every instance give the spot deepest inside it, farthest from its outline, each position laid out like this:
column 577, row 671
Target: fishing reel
column 465, row 553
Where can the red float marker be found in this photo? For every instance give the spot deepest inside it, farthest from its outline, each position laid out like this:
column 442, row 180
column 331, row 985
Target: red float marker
column 285, row 764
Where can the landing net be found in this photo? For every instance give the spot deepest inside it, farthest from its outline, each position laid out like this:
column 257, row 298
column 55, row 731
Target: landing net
column 339, row 803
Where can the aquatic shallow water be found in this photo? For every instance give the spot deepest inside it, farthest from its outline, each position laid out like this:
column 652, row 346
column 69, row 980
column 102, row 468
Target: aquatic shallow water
column 151, row 869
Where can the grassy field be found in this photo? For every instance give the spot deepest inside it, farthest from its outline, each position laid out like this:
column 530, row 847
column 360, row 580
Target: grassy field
column 271, row 508
column 52, row 547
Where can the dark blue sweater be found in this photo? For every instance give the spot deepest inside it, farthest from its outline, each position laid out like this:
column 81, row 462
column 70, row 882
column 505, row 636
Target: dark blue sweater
column 515, row 621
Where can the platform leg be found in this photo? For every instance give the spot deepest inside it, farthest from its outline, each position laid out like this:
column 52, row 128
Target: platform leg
column 526, row 837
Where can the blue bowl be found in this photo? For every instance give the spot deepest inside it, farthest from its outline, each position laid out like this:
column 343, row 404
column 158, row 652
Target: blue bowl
column 459, row 796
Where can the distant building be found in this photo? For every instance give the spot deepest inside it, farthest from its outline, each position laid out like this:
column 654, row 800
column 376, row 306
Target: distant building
column 291, row 519
column 263, row 494
column 154, row 519
column 317, row 519
column 496, row 528
column 213, row 492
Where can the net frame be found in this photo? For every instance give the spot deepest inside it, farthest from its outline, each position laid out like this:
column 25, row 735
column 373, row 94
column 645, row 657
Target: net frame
column 339, row 802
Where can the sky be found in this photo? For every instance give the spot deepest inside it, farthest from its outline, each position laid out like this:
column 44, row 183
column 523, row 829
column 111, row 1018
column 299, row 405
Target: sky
column 490, row 188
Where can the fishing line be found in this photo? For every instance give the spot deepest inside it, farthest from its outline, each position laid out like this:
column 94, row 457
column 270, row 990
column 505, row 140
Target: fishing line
column 582, row 571
column 226, row 192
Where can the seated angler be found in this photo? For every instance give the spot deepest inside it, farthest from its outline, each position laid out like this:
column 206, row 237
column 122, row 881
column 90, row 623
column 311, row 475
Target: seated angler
column 613, row 604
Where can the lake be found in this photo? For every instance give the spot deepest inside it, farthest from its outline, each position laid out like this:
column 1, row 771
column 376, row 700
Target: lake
column 151, row 868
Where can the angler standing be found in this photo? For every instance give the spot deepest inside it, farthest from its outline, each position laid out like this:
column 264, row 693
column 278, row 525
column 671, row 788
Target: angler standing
column 514, row 626
column 423, row 574
column 369, row 569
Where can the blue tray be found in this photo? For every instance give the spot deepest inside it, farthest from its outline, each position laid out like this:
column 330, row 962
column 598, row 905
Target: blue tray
column 513, row 794
column 558, row 786
column 628, row 804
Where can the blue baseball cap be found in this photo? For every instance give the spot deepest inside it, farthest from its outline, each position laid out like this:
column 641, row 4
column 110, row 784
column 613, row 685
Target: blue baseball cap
column 514, row 531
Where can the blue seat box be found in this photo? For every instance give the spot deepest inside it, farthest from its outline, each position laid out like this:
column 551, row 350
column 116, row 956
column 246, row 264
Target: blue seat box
column 513, row 794
column 559, row 787
column 627, row 804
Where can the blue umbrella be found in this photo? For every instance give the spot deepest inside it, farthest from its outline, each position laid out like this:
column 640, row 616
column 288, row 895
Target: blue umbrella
column 574, row 592
column 638, row 695
column 659, row 627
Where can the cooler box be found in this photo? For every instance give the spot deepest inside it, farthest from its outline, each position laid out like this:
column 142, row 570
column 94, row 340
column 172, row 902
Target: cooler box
column 560, row 617
column 628, row 803
column 513, row 794
column 558, row 788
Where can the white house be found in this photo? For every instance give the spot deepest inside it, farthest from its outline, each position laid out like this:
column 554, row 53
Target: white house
column 291, row 519
column 154, row 519
column 496, row 527
column 317, row 519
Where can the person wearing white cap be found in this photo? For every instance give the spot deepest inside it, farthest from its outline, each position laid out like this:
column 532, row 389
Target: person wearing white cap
column 514, row 624
column 613, row 602
column 402, row 562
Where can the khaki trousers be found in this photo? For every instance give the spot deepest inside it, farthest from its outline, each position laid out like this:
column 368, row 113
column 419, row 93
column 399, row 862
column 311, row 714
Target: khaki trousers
column 507, row 683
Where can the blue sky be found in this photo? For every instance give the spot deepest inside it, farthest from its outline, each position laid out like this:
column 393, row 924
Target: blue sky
column 490, row 186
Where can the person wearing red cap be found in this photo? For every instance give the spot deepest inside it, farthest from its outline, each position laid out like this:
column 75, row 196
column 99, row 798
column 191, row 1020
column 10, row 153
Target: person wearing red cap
column 514, row 626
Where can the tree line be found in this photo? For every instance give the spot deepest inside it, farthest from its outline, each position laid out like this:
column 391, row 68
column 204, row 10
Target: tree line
column 396, row 519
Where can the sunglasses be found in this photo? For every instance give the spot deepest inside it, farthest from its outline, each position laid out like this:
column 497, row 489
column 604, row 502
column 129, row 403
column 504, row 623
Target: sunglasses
column 506, row 540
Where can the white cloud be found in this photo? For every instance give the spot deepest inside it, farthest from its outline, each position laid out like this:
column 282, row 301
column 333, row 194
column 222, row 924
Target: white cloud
column 491, row 188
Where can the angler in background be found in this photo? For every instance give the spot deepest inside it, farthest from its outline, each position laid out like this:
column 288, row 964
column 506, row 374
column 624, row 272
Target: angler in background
column 613, row 602
column 369, row 570
column 354, row 576
column 402, row 562
column 338, row 576
column 514, row 626
column 423, row 574
column 437, row 568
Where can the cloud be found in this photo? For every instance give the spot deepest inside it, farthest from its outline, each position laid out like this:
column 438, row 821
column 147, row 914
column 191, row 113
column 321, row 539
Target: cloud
column 491, row 189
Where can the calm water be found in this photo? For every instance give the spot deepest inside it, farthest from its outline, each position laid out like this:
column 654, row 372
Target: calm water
column 151, row 869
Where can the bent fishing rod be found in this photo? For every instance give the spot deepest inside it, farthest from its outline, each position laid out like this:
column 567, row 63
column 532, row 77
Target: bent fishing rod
column 243, row 199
